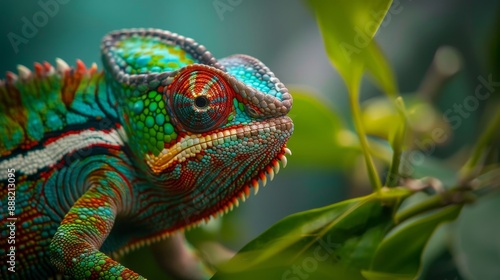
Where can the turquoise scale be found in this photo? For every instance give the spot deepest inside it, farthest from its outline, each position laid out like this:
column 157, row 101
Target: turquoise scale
column 148, row 55
column 252, row 73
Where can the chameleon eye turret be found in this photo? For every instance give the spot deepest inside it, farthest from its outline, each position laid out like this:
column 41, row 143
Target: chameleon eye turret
column 100, row 162
column 200, row 98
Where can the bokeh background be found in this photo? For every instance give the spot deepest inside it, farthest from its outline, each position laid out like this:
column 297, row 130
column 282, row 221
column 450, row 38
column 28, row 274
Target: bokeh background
column 284, row 35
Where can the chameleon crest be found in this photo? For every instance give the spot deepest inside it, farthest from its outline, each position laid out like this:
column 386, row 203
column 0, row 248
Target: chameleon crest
column 165, row 137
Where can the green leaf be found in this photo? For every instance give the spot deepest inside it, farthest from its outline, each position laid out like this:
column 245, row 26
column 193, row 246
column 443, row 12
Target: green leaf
column 372, row 275
column 348, row 28
column 320, row 144
column 400, row 251
column 476, row 239
column 379, row 68
column 339, row 239
column 423, row 119
column 377, row 112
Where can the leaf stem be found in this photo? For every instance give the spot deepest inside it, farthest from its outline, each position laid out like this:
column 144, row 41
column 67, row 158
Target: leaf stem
column 482, row 144
column 353, row 87
column 455, row 196
column 463, row 193
column 397, row 144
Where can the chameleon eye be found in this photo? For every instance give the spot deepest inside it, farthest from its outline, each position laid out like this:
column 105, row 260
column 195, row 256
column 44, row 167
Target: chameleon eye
column 200, row 99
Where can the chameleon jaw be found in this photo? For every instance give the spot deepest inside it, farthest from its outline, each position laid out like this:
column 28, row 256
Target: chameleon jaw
column 192, row 145
column 270, row 170
column 261, row 179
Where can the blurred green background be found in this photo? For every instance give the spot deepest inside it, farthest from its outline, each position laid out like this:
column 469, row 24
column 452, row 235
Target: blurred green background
column 325, row 167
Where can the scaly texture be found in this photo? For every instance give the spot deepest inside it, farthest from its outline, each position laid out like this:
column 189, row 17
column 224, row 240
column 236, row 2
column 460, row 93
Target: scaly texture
column 106, row 161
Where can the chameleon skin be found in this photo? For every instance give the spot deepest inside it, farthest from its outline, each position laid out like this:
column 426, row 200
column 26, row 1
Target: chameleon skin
column 164, row 138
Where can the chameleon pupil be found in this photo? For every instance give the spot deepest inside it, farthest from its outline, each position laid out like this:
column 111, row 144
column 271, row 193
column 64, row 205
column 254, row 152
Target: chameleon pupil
column 201, row 102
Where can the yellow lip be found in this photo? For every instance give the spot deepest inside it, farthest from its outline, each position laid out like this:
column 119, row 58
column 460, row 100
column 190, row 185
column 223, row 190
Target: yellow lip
column 191, row 145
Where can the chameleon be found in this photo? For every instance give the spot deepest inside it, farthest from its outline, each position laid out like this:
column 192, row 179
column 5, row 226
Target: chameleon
column 95, row 163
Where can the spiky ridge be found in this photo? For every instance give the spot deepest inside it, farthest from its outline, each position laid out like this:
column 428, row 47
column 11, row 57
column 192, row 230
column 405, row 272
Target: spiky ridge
column 36, row 103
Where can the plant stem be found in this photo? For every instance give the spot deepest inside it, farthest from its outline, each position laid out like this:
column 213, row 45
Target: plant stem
column 455, row 196
column 482, row 144
column 465, row 192
column 397, row 144
column 353, row 88
column 433, row 202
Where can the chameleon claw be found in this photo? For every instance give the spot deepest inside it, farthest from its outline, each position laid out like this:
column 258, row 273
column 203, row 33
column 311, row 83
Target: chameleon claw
column 287, row 151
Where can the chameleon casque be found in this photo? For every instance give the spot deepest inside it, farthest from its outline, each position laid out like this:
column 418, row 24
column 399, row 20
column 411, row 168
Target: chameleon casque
column 164, row 138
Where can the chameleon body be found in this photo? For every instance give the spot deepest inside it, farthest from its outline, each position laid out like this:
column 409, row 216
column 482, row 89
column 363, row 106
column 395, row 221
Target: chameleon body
column 101, row 162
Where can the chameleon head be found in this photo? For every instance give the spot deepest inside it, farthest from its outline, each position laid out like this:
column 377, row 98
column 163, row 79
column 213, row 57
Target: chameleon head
column 205, row 130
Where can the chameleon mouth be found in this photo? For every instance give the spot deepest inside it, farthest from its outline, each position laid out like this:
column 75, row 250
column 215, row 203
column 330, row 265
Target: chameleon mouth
column 192, row 145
